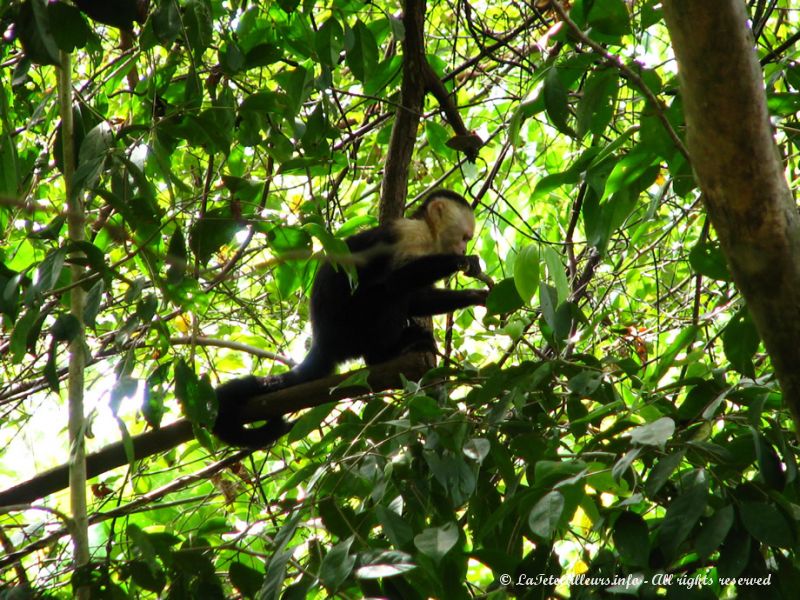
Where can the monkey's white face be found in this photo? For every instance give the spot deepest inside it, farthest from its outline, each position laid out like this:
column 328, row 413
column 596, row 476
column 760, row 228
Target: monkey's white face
column 452, row 225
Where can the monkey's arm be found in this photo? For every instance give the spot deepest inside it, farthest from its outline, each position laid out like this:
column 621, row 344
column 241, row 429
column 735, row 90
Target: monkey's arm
column 427, row 270
column 432, row 301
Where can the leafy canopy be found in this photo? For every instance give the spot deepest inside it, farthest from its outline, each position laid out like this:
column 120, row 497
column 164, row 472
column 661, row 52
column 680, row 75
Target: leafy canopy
column 610, row 414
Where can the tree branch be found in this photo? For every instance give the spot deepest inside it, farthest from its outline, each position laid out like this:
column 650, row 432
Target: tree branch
column 314, row 393
column 394, row 189
column 240, row 346
column 626, row 72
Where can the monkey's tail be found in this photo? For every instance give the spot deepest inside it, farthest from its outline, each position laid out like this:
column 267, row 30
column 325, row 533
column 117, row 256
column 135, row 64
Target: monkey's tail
column 233, row 395
column 231, row 398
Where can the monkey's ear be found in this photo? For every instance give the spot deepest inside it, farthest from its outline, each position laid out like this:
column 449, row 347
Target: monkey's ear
column 437, row 209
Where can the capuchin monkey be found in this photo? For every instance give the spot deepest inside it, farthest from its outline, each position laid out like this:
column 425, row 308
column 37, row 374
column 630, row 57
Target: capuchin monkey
column 397, row 266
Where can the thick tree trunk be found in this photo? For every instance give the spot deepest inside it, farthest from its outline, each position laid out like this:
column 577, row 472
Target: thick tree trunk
column 734, row 156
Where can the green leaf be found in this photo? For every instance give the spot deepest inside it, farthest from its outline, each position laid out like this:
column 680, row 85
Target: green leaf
column 477, row 449
column 526, row 271
column 65, row 329
column 734, row 554
column 437, row 136
column 708, row 260
column 245, row 579
column 422, row 409
column 740, row 342
column 47, row 275
column 199, row 26
column 548, row 302
column 698, row 400
column 287, row 239
column 596, row 107
column 682, row 515
column 36, row 34
column 504, row 298
column 275, row 574
column 783, row 104
column 92, row 157
column 585, row 383
column 553, row 181
column 769, row 463
column 630, row 536
column 166, row 22
column 714, row 531
column 289, row 6
column 193, row 399
column 329, row 42
column 176, row 258
column 19, row 337
column 609, row 17
column 453, row 474
column 72, row 31
column 10, row 288
column 627, row 172
column 657, row 433
column 296, row 83
column 231, row 58
column 385, row 563
column 556, row 273
column 148, row 575
column 362, row 57
column 545, row 515
column 660, row 474
column 435, row 542
column 9, row 166
column 146, row 307
column 49, row 371
column 624, row 463
column 395, row 527
column 549, row 472
column 87, row 253
column 767, row 523
column 211, row 232
column 337, row 565
column 555, row 102
column 52, row 230
column 667, row 361
column 310, row 421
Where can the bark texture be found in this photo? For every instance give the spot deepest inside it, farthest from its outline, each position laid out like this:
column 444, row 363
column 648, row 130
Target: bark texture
column 394, row 189
column 737, row 165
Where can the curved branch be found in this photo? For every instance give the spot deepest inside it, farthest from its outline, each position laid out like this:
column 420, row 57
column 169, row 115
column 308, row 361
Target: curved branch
column 239, row 346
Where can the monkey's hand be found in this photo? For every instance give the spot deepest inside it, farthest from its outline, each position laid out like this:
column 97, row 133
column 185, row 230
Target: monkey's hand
column 472, row 266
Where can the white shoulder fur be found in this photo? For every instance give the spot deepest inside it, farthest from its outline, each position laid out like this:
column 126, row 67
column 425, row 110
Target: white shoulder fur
column 414, row 239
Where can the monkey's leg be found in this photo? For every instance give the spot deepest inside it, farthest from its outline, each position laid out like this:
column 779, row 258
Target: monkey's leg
column 432, row 301
column 412, row 338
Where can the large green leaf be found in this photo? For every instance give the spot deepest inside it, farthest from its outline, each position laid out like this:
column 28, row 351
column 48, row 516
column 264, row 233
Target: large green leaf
column 436, row 542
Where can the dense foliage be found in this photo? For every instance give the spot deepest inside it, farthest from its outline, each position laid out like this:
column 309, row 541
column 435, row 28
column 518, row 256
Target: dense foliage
column 609, row 424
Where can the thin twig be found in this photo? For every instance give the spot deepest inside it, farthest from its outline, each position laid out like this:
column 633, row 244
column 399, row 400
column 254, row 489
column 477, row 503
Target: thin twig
column 627, row 73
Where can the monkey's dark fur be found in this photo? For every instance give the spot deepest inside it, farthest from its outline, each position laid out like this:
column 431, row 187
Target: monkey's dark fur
column 371, row 320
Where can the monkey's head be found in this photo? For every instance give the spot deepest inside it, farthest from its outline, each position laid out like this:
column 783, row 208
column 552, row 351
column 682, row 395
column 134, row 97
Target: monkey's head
column 450, row 219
